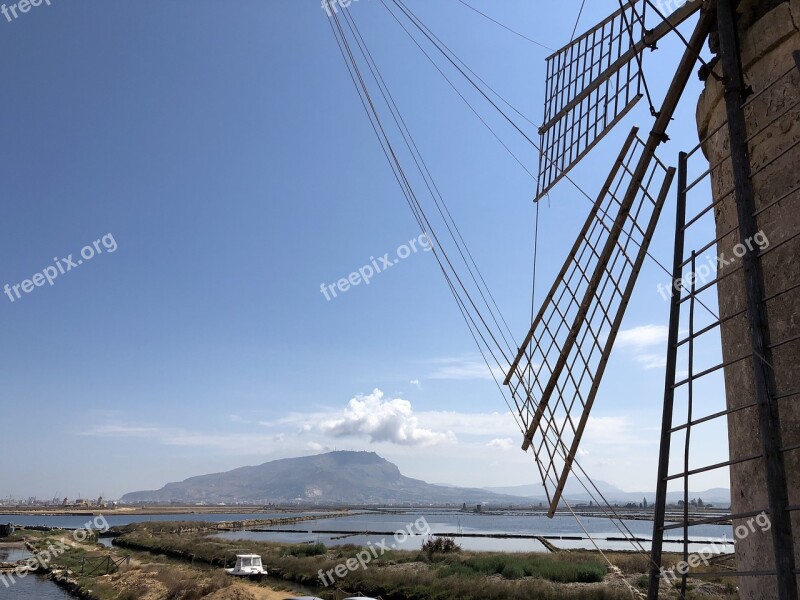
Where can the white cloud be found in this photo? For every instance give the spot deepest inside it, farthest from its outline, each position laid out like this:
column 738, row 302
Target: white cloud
column 493, row 424
column 463, row 368
column 614, row 431
column 416, row 383
column 476, row 424
column 382, row 420
column 642, row 337
column 502, row 443
column 369, row 420
column 638, row 340
column 650, row 361
column 234, row 442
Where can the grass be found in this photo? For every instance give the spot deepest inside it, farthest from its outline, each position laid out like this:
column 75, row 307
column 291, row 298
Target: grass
column 402, row 575
column 307, row 550
column 394, row 575
column 179, row 582
column 517, row 566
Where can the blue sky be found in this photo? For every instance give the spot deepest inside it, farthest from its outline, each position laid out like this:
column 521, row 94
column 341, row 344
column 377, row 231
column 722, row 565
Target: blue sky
column 224, row 150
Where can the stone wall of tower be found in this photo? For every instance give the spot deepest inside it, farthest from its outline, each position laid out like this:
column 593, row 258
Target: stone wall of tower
column 769, row 33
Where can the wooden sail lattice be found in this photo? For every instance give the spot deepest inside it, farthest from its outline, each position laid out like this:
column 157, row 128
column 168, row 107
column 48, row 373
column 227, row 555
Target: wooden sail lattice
column 556, row 374
column 591, row 84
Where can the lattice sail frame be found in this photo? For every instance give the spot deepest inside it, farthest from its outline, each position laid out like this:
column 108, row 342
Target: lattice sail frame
column 555, row 378
column 590, row 88
column 591, row 84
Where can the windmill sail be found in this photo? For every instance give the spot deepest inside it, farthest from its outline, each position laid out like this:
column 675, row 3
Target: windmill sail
column 592, row 83
column 556, row 374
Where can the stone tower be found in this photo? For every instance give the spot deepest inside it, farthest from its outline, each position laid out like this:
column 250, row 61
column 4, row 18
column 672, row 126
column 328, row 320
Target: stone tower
column 768, row 34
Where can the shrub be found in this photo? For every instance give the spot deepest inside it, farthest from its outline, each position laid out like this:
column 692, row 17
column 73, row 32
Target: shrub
column 440, row 545
column 513, row 566
column 456, row 569
column 307, row 550
column 513, row 571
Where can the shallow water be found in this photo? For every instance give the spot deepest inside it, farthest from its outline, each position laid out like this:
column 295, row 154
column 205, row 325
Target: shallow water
column 31, row 588
column 472, row 523
column 13, row 554
column 440, row 521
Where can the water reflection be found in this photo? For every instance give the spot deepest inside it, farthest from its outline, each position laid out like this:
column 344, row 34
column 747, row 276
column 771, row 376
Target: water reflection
column 514, row 524
column 13, row 553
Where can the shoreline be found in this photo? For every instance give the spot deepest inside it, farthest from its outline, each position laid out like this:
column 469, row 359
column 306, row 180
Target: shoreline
column 334, row 511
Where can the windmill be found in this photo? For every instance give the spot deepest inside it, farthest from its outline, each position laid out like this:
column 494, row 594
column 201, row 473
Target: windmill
column 554, row 375
column 591, row 84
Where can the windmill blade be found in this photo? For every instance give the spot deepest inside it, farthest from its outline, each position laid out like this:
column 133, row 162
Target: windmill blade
column 592, row 83
column 556, row 375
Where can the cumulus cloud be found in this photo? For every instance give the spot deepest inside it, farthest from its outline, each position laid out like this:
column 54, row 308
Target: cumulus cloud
column 391, row 420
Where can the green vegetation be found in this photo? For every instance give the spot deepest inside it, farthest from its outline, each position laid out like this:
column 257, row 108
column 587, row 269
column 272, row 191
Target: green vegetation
column 517, row 566
column 439, row 572
column 307, row 550
column 86, row 565
column 171, row 562
column 440, row 545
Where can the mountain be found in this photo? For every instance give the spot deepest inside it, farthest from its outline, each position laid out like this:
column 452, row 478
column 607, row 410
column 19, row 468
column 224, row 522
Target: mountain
column 575, row 492
column 331, row 478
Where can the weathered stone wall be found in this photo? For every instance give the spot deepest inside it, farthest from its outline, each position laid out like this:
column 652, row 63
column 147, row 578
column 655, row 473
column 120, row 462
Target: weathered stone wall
column 769, row 33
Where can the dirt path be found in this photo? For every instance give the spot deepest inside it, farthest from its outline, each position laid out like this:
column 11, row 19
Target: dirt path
column 153, row 580
column 241, row 591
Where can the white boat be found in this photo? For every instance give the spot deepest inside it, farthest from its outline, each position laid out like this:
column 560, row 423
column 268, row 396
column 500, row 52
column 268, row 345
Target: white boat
column 247, row 565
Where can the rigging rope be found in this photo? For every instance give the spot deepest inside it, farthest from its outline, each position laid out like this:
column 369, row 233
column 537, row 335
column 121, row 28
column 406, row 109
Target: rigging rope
column 439, row 251
column 523, row 36
column 439, row 200
column 629, row 27
column 497, row 137
column 577, row 20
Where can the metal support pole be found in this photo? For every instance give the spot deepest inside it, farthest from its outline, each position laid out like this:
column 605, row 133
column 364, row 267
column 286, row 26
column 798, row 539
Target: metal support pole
column 669, row 390
column 688, row 432
column 768, row 416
